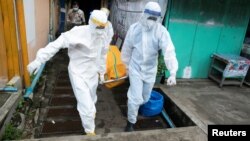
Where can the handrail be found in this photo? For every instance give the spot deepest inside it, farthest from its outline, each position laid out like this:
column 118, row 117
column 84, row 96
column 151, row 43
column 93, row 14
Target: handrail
column 30, row 89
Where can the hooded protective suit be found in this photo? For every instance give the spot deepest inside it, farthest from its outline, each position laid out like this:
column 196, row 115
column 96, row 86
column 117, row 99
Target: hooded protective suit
column 140, row 54
column 87, row 48
column 108, row 29
column 109, row 32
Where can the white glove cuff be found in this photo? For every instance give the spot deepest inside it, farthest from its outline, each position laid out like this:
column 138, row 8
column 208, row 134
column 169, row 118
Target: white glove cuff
column 173, row 74
column 37, row 63
column 101, row 74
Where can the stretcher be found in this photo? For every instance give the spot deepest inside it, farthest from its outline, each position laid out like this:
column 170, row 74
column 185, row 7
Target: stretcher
column 115, row 68
column 115, row 80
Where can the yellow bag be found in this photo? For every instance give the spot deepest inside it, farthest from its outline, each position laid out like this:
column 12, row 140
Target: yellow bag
column 115, row 68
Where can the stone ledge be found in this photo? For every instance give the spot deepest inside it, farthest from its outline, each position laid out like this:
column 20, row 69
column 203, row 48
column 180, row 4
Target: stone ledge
column 193, row 133
column 9, row 105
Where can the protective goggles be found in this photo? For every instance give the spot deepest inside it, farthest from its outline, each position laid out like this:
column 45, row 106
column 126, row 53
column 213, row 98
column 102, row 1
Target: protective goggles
column 152, row 18
column 99, row 25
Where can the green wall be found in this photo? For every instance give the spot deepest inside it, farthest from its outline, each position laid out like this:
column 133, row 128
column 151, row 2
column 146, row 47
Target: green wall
column 200, row 28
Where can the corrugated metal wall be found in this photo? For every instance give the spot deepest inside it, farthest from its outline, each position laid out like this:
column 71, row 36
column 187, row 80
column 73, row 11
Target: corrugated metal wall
column 201, row 27
column 124, row 13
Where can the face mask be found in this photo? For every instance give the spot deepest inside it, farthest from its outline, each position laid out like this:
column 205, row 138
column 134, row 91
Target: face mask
column 150, row 24
column 75, row 9
column 99, row 32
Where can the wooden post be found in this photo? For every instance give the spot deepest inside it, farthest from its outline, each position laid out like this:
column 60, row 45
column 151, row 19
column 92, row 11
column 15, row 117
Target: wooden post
column 3, row 56
column 23, row 40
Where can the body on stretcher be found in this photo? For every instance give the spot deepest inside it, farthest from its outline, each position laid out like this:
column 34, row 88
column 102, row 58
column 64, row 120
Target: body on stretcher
column 115, row 68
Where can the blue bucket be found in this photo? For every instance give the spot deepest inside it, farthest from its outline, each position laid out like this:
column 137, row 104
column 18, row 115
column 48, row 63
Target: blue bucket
column 154, row 106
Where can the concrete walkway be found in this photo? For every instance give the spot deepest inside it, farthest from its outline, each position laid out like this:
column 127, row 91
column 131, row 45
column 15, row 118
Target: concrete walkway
column 178, row 134
column 205, row 103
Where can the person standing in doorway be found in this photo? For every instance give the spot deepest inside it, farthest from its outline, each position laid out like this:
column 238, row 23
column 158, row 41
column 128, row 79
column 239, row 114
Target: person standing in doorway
column 139, row 53
column 75, row 16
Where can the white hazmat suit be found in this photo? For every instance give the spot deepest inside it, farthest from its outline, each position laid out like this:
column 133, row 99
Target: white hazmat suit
column 140, row 54
column 109, row 29
column 87, row 49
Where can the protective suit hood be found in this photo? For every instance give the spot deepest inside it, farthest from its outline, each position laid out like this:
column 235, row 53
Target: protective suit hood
column 151, row 15
column 97, row 22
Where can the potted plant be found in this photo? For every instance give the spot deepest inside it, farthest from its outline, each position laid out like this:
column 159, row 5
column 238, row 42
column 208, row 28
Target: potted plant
column 161, row 68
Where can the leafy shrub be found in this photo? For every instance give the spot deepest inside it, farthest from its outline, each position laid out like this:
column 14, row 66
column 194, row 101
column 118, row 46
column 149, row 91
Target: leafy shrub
column 11, row 133
column 161, row 65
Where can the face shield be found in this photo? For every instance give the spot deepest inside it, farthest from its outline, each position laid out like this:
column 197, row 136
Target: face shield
column 151, row 15
column 98, row 22
column 149, row 21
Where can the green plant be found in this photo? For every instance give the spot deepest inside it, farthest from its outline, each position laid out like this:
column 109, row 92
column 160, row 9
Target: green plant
column 161, row 65
column 32, row 77
column 20, row 104
column 11, row 133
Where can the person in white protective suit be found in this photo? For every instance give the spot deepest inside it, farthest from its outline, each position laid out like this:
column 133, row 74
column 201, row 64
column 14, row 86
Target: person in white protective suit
column 109, row 29
column 140, row 54
column 87, row 49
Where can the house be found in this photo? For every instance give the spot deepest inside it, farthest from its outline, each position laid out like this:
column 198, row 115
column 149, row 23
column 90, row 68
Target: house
column 198, row 29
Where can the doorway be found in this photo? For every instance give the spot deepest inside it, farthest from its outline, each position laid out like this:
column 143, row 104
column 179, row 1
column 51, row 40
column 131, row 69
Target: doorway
column 87, row 6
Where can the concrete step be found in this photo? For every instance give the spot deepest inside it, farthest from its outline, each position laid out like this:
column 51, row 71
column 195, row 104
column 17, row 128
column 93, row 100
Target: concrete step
column 63, row 77
column 63, row 83
column 54, row 112
column 62, row 101
column 63, row 90
column 61, row 128
column 176, row 134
